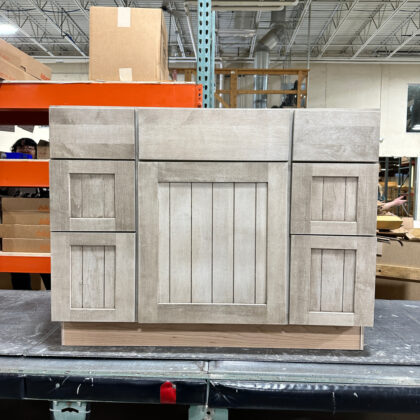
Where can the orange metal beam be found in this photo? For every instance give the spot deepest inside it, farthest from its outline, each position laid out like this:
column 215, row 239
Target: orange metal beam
column 28, row 102
column 24, row 173
column 26, row 263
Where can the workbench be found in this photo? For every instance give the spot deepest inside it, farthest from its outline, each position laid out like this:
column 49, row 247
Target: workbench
column 384, row 377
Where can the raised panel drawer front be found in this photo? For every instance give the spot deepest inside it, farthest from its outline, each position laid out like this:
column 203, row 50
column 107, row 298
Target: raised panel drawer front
column 336, row 135
column 213, row 242
column 83, row 132
column 92, row 195
column 332, row 280
column 334, row 199
column 214, row 134
column 93, row 277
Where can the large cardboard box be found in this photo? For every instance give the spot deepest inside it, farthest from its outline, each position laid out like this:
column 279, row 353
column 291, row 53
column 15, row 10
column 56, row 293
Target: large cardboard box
column 24, row 62
column 25, row 204
column 26, row 245
column 26, row 217
column 10, row 72
column 25, row 231
column 128, row 44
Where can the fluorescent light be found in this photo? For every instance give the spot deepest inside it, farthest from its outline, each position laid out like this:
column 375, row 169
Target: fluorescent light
column 8, row 29
column 416, row 127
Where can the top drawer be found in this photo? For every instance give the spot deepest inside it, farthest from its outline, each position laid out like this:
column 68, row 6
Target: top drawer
column 214, row 134
column 92, row 132
column 336, row 135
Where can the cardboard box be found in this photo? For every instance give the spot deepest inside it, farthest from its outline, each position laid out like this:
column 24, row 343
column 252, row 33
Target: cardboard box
column 24, row 62
column 26, row 218
column 26, row 245
column 10, row 72
column 128, row 44
column 25, row 204
column 43, row 149
column 25, row 231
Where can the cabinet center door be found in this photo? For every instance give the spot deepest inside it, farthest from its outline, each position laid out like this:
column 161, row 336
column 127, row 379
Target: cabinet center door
column 213, row 242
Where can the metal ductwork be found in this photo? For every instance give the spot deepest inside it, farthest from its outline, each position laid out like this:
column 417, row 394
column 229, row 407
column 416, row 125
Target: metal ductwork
column 272, row 38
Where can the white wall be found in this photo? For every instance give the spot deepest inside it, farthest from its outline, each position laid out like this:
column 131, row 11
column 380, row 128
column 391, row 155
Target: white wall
column 382, row 86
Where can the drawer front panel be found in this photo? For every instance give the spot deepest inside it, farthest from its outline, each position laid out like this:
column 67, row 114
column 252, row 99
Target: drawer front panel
column 93, row 277
column 332, row 280
column 92, row 195
column 334, row 199
column 92, row 133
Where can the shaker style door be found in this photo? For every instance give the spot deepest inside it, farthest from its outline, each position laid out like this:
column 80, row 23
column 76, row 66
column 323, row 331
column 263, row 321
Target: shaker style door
column 91, row 195
column 334, row 199
column 213, row 243
column 93, row 277
column 332, row 280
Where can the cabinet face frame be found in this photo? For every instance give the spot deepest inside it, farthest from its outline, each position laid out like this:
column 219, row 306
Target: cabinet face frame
column 63, row 195
column 305, row 204
column 361, row 295
column 123, row 267
column 276, row 308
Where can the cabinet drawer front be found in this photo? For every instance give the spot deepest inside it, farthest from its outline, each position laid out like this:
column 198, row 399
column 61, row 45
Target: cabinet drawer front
column 334, row 199
column 92, row 132
column 336, row 135
column 93, row 277
column 214, row 134
column 332, row 280
column 213, row 243
column 92, row 195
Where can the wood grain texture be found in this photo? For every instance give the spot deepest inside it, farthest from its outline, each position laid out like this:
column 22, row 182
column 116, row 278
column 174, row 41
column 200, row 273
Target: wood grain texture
column 93, row 277
column 334, row 199
column 92, row 195
column 249, row 336
column 164, row 242
column 336, row 135
column 346, row 276
column 231, row 217
column 91, row 132
column 211, row 135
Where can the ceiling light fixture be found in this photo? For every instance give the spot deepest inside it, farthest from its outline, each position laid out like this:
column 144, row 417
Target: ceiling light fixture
column 7, row 29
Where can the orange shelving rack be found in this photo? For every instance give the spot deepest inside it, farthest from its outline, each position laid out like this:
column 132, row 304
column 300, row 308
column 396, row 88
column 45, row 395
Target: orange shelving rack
column 27, row 103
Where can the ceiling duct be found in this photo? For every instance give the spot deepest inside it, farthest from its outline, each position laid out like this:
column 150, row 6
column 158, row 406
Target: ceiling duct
column 271, row 39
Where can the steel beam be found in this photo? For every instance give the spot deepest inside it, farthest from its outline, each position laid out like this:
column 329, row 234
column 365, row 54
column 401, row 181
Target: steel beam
column 298, row 25
column 378, row 21
column 68, row 37
column 339, row 18
column 254, row 38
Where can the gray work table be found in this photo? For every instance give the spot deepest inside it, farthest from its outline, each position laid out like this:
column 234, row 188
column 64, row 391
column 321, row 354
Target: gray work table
column 33, row 364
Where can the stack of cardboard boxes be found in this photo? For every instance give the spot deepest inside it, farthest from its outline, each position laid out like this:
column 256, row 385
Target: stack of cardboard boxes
column 16, row 65
column 25, row 224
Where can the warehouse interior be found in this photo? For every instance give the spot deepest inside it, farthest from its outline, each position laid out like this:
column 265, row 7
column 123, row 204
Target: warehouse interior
column 210, row 209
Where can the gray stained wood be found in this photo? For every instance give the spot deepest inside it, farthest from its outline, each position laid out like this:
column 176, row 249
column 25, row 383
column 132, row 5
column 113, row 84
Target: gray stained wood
column 93, row 277
column 332, row 280
column 92, row 132
column 334, row 199
column 206, row 242
column 336, row 135
column 92, row 195
column 214, row 134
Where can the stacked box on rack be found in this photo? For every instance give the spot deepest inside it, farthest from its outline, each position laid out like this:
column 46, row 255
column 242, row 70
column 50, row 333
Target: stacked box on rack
column 25, row 224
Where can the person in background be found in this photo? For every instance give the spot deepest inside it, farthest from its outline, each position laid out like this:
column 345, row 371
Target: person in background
column 22, row 281
column 383, row 208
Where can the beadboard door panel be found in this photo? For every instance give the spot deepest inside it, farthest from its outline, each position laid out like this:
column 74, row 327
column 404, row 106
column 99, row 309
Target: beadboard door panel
column 214, row 134
column 332, row 280
column 92, row 195
column 93, row 277
column 336, row 135
column 213, row 242
column 83, row 132
column 334, row 199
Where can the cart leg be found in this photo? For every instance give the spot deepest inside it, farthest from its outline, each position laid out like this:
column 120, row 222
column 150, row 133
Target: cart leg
column 69, row 410
column 201, row 412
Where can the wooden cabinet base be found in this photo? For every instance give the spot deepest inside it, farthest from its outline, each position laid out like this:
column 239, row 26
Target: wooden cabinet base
column 292, row 336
